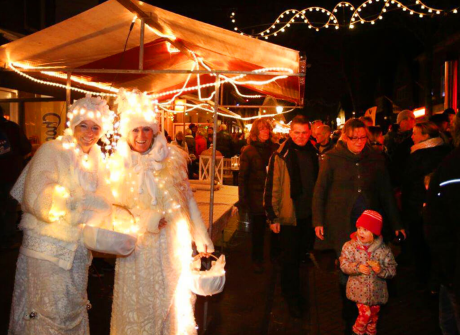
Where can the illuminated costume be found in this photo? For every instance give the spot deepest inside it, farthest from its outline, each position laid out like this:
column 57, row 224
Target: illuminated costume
column 151, row 292
column 59, row 191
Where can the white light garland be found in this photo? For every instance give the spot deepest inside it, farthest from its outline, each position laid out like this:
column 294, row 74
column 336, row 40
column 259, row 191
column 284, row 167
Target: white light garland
column 296, row 16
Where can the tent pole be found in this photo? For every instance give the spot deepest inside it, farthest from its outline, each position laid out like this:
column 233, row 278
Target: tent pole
column 141, row 46
column 163, row 121
column 67, row 93
column 213, row 176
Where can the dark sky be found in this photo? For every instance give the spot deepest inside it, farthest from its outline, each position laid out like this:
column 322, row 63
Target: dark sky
column 348, row 68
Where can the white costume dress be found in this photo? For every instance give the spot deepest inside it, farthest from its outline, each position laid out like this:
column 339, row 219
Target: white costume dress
column 52, row 269
column 151, row 292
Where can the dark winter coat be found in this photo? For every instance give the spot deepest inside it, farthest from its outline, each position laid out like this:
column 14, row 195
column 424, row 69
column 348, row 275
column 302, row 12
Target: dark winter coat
column 342, row 179
column 369, row 289
column 14, row 146
column 399, row 154
column 251, row 177
column 419, row 164
column 224, row 143
column 442, row 220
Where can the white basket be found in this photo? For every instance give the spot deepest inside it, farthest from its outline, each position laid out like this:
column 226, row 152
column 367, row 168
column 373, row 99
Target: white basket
column 209, row 282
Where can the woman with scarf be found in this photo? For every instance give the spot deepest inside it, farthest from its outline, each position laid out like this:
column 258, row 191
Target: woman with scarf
column 426, row 154
column 59, row 191
column 151, row 292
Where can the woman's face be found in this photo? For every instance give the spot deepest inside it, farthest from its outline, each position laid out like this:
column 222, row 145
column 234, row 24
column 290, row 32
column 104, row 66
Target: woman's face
column 417, row 135
column 140, row 139
column 87, row 133
column 264, row 133
column 356, row 140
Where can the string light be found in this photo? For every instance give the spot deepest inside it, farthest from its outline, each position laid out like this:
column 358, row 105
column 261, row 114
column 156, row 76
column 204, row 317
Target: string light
column 280, row 26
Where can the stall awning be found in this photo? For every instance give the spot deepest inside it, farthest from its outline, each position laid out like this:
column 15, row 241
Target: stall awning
column 95, row 39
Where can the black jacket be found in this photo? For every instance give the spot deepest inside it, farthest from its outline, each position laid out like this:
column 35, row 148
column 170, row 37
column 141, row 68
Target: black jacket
column 251, row 178
column 443, row 220
column 419, row 164
column 224, row 144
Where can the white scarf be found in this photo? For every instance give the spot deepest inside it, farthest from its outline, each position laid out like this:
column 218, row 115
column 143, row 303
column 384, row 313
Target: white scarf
column 430, row 143
column 145, row 165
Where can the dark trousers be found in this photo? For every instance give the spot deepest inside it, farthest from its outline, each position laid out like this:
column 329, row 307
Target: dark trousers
column 419, row 251
column 8, row 213
column 258, row 230
column 295, row 242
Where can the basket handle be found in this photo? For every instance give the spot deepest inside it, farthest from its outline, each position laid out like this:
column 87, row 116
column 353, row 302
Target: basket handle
column 198, row 256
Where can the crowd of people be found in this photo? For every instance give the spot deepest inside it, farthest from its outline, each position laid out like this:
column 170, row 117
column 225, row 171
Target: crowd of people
column 377, row 189
column 352, row 191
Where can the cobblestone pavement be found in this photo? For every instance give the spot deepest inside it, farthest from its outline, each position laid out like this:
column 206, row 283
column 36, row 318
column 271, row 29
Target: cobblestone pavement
column 252, row 303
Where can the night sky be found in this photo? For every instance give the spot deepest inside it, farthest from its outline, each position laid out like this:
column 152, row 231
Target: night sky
column 349, row 69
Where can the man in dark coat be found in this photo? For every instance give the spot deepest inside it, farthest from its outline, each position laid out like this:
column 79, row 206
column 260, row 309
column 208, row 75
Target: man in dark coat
column 352, row 179
column 443, row 235
column 14, row 145
column 224, row 142
column 287, row 200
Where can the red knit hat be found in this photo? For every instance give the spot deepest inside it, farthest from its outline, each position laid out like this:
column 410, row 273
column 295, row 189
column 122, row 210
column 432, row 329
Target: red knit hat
column 371, row 220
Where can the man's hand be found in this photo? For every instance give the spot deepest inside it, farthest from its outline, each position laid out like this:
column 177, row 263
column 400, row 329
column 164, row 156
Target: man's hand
column 364, row 269
column 319, row 231
column 402, row 231
column 275, row 227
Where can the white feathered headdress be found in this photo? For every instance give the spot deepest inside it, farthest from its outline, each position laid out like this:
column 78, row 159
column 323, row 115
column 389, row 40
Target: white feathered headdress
column 90, row 108
column 136, row 110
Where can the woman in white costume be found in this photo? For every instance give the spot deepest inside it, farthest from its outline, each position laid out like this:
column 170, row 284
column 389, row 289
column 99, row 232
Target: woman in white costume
column 59, row 191
column 151, row 292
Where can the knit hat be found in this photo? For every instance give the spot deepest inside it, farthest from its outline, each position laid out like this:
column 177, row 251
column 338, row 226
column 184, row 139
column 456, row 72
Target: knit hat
column 136, row 110
column 90, row 108
column 404, row 115
column 372, row 221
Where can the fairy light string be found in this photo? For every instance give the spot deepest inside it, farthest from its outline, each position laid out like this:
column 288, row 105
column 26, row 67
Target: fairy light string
column 294, row 16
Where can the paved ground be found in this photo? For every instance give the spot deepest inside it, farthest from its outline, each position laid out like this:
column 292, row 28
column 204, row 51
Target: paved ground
column 252, row 303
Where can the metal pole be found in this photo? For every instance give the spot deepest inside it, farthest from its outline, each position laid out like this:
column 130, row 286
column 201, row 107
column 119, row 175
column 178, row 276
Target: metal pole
column 141, row 46
column 213, row 175
column 67, row 93
column 163, row 121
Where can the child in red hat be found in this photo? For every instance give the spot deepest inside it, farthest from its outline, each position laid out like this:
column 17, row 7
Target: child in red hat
column 368, row 262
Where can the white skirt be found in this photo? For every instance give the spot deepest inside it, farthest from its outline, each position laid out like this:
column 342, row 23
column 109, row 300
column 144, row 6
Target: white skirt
column 48, row 300
column 147, row 293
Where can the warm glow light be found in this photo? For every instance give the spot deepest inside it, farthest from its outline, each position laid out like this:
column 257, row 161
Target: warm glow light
column 419, row 112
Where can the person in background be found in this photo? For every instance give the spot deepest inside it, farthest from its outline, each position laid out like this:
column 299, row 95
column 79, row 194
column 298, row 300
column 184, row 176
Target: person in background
column 443, row 233
column 190, row 140
column 200, row 142
column 352, row 178
column 193, row 128
column 376, row 140
column 314, row 127
column 224, row 142
column 168, row 138
column 399, row 145
column 288, row 197
column 14, row 146
column 180, row 141
column 209, row 136
column 240, row 143
column 367, row 262
column 450, row 113
column 426, row 154
column 443, row 123
column 251, row 183
column 323, row 138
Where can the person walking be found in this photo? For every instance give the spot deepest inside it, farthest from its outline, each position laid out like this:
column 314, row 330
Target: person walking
column 251, row 182
column 352, row 178
column 288, row 196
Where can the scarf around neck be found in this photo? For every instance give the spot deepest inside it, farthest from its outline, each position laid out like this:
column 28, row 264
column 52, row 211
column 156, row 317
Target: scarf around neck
column 430, row 143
